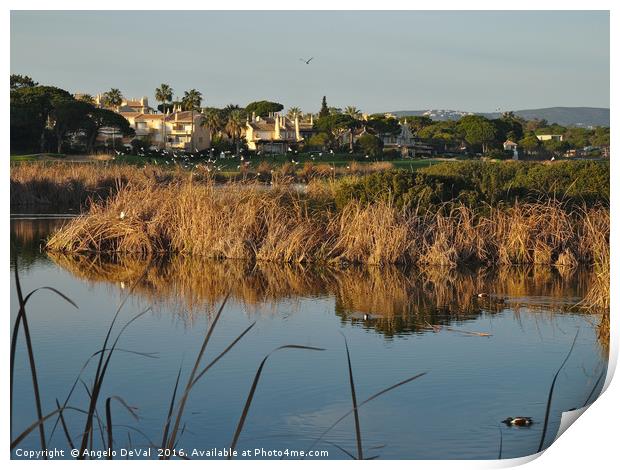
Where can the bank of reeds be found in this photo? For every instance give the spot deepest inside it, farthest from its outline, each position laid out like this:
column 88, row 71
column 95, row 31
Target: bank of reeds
column 61, row 186
column 240, row 222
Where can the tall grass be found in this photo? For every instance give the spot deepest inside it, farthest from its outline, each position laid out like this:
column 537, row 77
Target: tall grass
column 283, row 225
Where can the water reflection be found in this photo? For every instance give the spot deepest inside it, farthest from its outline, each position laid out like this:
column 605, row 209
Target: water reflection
column 530, row 312
column 388, row 299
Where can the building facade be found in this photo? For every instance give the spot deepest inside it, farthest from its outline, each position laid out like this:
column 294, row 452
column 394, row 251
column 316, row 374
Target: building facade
column 272, row 134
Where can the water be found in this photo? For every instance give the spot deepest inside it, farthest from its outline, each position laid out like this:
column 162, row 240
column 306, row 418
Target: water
column 418, row 323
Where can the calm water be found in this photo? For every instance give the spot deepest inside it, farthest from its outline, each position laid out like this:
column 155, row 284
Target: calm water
column 418, row 323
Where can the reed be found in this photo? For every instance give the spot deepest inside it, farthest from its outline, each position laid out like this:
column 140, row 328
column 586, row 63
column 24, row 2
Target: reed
column 243, row 222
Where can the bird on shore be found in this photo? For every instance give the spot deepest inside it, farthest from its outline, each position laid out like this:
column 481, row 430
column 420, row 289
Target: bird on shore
column 367, row 317
column 522, row 421
column 306, row 61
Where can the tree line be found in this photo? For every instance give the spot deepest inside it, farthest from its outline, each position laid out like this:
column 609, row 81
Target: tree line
column 46, row 118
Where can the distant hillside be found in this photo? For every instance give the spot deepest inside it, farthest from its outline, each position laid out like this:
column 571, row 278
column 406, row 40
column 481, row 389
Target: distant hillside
column 566, row 116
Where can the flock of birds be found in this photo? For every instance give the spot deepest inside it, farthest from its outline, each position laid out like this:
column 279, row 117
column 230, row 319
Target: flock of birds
column 188, row 160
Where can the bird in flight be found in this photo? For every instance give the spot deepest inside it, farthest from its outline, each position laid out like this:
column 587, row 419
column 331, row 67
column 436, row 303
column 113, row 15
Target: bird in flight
column 307, row 61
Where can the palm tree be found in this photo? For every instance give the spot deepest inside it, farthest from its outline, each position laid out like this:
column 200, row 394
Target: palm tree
column 163, row 94
column 87, row 98
column 353, row 112
column 355, row 115
column 294, row 112
column 214, row 121
column 191, row 101
column 235, row 125
column 113, row 98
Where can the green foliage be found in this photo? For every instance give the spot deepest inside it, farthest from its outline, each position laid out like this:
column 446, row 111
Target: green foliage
column 191, row 100
column 601, row 137
column 163, row 93
column 481, row 183
column 324, row 109
column 382, row 125
column 21, row 81
column 417, row 123
column 263, row 108
column 113, row 98
column 319, row 140
column 478, row 130
column 404, row 189
column 43, row 117
column 30, row 110
column 371, row 145
column 530, row 143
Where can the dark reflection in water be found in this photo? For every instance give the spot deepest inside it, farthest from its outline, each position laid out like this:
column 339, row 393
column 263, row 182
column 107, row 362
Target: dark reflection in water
column 389, row 299
column 398, row 322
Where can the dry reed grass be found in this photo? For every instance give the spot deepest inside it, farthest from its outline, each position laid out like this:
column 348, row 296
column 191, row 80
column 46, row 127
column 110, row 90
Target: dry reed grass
column 241, row 222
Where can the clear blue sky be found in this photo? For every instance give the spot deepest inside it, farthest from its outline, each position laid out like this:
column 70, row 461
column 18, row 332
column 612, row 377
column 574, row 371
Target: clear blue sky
column 377, row 61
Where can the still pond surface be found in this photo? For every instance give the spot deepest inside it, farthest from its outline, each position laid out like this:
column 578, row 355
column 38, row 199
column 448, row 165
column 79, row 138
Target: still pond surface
column 486, row 358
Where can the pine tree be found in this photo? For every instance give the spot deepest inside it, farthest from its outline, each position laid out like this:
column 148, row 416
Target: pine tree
column 324, row 109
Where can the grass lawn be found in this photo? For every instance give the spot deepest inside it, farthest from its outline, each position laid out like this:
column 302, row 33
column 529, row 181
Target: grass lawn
column 35, row 156
column 231, row 164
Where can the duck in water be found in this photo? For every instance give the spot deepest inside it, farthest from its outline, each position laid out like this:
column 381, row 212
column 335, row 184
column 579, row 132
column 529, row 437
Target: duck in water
column 521, row 421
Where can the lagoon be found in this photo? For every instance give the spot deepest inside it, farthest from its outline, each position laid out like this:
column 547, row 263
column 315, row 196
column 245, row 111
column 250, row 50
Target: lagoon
column 485, row 358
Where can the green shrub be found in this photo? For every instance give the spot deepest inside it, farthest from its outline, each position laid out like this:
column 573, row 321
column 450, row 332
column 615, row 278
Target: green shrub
column 476, row 183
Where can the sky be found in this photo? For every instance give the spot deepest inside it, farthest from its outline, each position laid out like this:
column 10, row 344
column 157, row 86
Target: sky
column 377, row 61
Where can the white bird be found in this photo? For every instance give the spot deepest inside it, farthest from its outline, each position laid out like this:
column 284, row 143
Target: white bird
column 122, row 216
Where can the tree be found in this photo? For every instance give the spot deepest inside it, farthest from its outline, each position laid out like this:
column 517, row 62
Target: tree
column 31, row 107
column 577, row 137
column 21, row 81
column 477, row 130
column 601, row 137
column 191, row 102
column 163, row 94
column 354, row 124
column 530, row 143
column 263, row 108
column 214, row 119
column 69, row 115
column 508, row 126
column 319, row 140
column 87, row 98
column 556, row 147
column 324, row 109
column 383, row 126
column 371, row 145
column 293, row 113
column 113, row 98
column 417, row 123
column 99, row 118
column 235, row 126
column 353, row 112
column 335, row 126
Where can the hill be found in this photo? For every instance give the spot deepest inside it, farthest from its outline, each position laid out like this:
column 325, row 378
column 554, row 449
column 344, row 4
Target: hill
column 566, row 116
